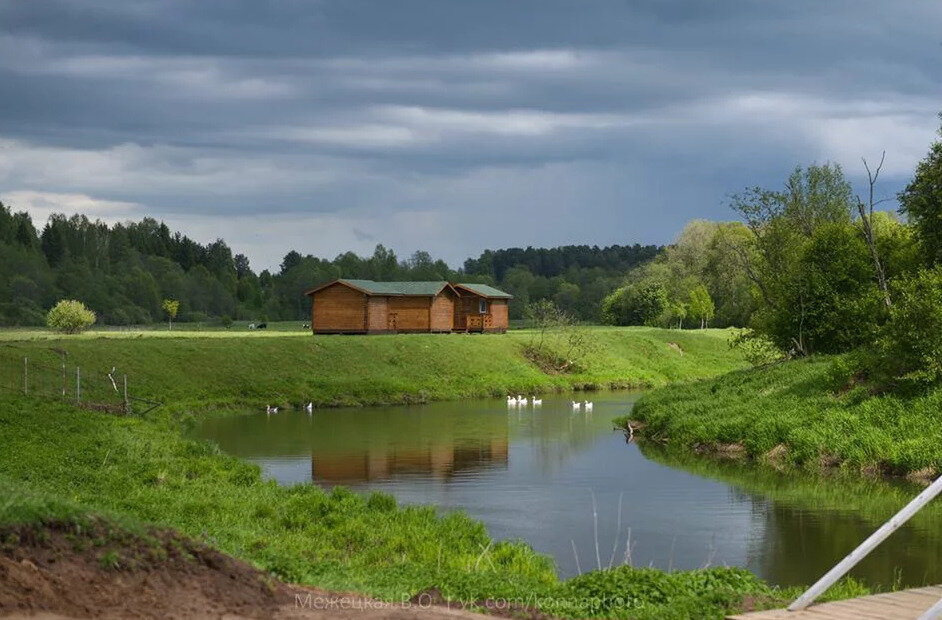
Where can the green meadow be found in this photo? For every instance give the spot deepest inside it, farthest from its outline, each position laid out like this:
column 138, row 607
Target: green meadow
column 67, row 464
column 194, row 369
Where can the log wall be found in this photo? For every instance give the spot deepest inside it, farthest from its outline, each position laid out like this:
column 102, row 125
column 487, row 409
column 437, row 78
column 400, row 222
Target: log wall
column 408, row 314
column 338, row 308
column 443, row 312
column 377, row 314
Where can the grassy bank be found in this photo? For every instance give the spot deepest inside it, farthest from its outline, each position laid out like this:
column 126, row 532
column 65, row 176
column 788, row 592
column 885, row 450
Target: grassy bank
column 796, row 414
column 192, row 369
column 63, row 463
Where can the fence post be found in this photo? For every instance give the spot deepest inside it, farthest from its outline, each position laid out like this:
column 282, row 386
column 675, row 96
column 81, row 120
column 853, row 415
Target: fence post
column 78, row 385
column 127, row 408
column 25, row 375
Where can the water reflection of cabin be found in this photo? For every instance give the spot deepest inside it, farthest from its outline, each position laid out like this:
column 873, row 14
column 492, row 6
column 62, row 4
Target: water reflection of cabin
column 441, row 461
column 368, row 307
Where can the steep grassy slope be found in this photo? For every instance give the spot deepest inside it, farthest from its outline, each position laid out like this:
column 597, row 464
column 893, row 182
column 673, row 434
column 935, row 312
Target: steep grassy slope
column 199, row 368
column 796, row 413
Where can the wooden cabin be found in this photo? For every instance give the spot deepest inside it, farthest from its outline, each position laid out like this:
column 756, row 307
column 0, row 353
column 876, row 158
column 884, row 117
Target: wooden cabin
column 368, row 307
column 481, row 308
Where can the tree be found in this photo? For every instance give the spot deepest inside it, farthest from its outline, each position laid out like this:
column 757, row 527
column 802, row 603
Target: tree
column 557, row 344
column 226, row 321
column 701, row 305
column 675, row 314
column 832, row 304
column 171, row 307
column 53, row 244
column 291, row 259
column 636, row 304
column 242, row 268
column 866, row 223
column 775, row 258
column 910, row 346
column 921, row 202
column 70, row 316
column 703, row 253
column 567, row 296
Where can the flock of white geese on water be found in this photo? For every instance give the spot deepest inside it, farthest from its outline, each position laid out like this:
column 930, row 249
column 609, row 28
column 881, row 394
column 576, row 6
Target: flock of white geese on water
column 512, row 401
column 523, row 401
column 270, row 410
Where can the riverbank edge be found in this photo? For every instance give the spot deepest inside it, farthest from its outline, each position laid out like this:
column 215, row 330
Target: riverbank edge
column 177, row 474
column 773, row 460
column 193, row 374
column 654, row 418
column 626, row 577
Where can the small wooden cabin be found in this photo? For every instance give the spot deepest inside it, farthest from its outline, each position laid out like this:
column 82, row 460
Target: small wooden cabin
column 481, row 308
column 368, row 307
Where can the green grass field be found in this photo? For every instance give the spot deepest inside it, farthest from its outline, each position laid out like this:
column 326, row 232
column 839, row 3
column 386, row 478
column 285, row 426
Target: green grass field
column 798, row 414
column 62, row 463
column 202, row 369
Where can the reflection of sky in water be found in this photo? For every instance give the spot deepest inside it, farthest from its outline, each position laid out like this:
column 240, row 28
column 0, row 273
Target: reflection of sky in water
column 531, row 474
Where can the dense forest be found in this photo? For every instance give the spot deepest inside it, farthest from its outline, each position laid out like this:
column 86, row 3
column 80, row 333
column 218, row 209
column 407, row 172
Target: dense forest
column 124, row 272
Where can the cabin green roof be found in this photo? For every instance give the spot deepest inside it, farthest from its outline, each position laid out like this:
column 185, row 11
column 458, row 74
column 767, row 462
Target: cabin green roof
column 414, row 289
column 371, row 287
column 486, row 291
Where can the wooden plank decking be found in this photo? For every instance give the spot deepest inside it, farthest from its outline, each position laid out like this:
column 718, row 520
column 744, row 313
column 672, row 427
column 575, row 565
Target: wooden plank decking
column 903, row 605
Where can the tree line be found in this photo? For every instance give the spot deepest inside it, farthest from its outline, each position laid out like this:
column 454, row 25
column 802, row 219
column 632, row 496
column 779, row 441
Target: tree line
column 127, row 272
column 811, row 267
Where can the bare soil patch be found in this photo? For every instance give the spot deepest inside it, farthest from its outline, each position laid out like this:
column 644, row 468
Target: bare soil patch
column 64, row 570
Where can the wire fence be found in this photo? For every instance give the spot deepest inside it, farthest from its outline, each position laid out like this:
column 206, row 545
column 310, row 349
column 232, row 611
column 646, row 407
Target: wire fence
column 102, row 391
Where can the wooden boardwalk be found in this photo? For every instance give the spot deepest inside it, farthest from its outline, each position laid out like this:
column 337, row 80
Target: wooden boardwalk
column 903, row 605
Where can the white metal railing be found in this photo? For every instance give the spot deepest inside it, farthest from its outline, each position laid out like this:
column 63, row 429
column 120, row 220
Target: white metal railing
column 855, row 556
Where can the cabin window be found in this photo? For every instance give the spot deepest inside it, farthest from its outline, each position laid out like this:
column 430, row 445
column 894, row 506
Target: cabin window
column 482, row 306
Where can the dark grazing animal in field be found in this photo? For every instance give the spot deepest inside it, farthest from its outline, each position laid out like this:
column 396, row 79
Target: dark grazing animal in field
column 261, row 326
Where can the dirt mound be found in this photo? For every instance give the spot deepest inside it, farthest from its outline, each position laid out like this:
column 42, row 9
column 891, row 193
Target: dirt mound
column 65, row 570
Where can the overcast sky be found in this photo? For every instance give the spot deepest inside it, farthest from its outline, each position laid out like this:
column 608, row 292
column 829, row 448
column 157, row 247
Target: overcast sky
column 450, row 126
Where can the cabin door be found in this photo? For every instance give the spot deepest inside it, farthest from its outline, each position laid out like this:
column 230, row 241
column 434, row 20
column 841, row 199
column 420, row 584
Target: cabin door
column 392, row 322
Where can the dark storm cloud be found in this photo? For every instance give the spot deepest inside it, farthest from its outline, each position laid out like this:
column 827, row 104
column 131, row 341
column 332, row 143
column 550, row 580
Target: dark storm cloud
column 565, row 122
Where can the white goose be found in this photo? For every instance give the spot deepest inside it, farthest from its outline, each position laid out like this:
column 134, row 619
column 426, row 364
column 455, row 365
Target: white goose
column 522, row 400
column 270, row 409
column 511, row 401
column 587, row 405
column 309, row 407
column 576, row 405
column 537, row 401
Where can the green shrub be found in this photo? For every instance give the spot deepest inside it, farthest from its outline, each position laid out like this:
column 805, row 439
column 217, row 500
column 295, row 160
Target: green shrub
column 758, row 349
column 70, row 317
column 910, row 348
column 635, row 304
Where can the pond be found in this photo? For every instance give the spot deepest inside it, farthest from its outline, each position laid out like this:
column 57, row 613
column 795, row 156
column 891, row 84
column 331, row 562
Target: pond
column 535, row 473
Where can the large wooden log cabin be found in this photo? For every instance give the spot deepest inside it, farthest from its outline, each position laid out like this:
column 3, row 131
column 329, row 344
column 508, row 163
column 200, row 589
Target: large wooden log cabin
column 368, row 307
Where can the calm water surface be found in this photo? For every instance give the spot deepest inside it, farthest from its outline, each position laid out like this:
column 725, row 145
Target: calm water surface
column 531, row 474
